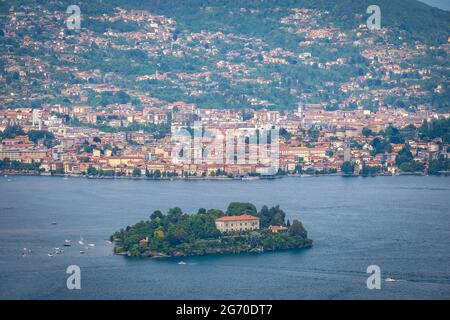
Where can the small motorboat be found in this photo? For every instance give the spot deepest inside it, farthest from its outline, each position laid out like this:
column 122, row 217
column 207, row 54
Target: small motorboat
column 67, row 243
column 82, row 252
column 50, row 254
column 390, row 280
column 81, row 241
column 182, row 263
column 91, row 245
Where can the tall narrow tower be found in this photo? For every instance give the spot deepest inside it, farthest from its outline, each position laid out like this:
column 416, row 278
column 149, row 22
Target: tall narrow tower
column 300, row 108
column 347, row 151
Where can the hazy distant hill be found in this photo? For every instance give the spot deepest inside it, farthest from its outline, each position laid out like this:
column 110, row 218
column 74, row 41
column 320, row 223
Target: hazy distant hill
column 419, row 20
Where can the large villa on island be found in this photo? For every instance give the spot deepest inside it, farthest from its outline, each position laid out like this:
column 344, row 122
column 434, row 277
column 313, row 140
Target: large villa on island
column 237, row 223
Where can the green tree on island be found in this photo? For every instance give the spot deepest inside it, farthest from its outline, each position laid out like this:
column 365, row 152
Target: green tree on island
column 297, row 229
column 241, row 208
column 273, row 216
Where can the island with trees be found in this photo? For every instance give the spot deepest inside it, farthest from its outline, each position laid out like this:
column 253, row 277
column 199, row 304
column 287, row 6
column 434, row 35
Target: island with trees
column 242, row 229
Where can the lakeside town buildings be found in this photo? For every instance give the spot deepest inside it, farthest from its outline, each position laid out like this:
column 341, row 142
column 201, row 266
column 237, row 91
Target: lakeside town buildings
column 312, row 139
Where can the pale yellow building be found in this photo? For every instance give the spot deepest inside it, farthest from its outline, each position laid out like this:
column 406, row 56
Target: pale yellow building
column 237, row 223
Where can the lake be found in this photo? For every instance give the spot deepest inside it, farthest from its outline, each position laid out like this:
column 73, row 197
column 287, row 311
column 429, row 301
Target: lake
column 401, row 224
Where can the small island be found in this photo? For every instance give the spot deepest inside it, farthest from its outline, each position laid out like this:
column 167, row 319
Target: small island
column 240, row 229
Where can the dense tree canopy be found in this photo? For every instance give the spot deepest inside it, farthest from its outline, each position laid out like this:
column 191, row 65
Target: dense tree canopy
column 12, row 132
column 240, row 208
column 435, row 129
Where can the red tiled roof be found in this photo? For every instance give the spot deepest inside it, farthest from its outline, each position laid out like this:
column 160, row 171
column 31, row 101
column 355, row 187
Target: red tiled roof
column 279, row 228
column 245, row 217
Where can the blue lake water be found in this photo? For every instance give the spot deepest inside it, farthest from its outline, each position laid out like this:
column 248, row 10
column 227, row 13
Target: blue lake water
column 401, row 224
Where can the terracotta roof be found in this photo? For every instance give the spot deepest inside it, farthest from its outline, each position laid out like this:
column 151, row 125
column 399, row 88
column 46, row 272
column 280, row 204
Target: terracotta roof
column 277, row 228
column 244, row 217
